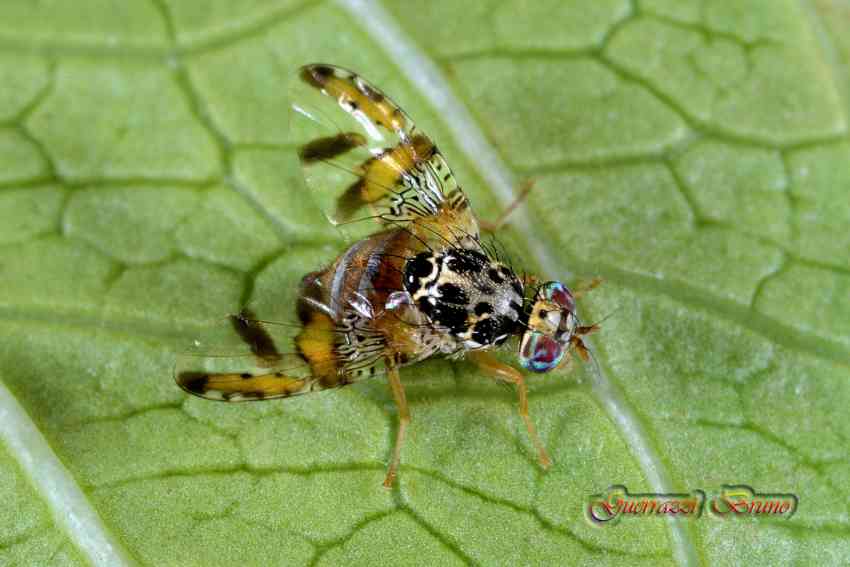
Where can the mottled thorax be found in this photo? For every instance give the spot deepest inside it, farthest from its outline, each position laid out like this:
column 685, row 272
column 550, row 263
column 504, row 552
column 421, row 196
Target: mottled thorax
column 477, row 299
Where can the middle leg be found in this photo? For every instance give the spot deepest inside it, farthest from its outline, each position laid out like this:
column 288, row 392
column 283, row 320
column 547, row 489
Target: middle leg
column 493, row 226
column 403, row 421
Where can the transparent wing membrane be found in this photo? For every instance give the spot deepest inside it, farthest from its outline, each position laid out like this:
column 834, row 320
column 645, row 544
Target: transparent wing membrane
column 363, row 157
column 264, row 359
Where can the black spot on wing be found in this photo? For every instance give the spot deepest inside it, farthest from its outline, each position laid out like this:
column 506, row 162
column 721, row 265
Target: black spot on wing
column 350, row 201
column 193, row 382
column 316, row 75
column 254, row 335
column 328, row 148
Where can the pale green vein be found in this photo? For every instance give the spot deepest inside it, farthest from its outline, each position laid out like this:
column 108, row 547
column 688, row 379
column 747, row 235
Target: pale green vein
column 532, row 513
column 775, row 273
column 768, row 436
column 246, row 31
column 710, row 33
column 167, row 50
column 200, row 112
column 231, row 470
column 719, row 132
column 360, row 525
column 470, row 138
column 773, row 329
column 439, row 536
column 71, row 510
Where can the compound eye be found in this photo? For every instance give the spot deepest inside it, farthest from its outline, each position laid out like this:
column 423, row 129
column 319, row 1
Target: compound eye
column 556, row 292
column 553, row 318
column 540, row 353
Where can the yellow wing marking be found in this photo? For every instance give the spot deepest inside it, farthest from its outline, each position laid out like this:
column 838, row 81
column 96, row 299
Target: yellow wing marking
column 244, row 386
column 353, row 94
column 316, row 365
column 381, row 175
column 360, row 151
column 317, row 345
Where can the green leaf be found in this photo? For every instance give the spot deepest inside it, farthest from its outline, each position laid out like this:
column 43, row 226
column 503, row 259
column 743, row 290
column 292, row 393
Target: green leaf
column 693, row 154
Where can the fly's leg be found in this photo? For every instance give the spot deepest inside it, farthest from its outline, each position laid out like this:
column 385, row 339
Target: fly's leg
column 403, row 420
column 500, row 371
column 566, row 364
column 530, row 280
column 493, row 226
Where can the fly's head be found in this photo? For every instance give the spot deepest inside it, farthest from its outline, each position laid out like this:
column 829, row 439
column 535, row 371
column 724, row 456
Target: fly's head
column 552, row 328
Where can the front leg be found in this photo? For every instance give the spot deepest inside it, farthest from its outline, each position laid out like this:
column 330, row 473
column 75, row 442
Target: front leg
column 500, row 371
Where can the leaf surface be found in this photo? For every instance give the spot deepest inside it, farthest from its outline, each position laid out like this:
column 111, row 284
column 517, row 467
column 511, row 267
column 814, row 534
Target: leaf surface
column 693, row 154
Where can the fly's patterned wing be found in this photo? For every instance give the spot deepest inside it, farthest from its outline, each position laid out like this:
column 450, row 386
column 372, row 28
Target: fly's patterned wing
column 363, row 157
column 279, row 360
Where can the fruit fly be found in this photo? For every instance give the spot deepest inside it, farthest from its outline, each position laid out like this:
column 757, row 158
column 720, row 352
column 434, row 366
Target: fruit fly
column 421, row 286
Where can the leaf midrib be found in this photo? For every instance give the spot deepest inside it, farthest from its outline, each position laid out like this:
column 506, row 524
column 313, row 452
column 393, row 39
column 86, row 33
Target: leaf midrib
column 71, row 510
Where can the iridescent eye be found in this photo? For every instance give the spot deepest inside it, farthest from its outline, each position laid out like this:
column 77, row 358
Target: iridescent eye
column 540, row 353
column 557, row 292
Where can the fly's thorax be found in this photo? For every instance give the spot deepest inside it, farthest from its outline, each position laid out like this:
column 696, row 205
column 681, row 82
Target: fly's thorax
column 474, row 298
column 552, row 322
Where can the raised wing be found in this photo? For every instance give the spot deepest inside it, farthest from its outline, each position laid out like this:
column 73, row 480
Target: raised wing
column 363, row 157
column 271, row 360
